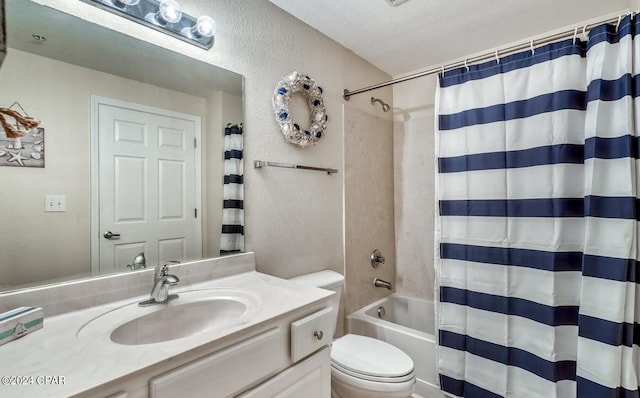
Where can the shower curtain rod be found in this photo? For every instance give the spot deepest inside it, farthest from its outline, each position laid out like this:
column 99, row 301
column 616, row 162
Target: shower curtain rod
column 485, row 56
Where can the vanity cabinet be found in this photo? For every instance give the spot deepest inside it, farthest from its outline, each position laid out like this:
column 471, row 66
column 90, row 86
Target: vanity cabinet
column 310, row 378
column 286, row 358
column 225, row 372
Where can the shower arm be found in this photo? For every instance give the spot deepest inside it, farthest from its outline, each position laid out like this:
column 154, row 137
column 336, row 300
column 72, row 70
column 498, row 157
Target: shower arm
column 385, row 106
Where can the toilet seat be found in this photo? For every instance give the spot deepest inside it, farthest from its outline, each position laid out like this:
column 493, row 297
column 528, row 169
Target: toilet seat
column 370, row 359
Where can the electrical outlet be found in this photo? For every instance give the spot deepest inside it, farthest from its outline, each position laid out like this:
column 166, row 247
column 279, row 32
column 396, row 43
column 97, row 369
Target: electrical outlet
column 55, row 203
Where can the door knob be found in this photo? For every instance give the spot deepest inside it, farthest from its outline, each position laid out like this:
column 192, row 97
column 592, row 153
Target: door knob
column 111, row 235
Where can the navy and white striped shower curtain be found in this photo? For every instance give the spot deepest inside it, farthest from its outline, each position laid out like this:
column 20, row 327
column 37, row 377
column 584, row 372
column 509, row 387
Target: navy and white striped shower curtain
column 232, row 238
column 537, row 233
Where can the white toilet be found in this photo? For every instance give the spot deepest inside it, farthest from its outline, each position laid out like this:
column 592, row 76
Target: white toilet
column 362, row 367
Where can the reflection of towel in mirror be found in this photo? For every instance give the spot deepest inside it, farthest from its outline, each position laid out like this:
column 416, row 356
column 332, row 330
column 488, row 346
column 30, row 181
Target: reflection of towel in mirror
column 27, row 122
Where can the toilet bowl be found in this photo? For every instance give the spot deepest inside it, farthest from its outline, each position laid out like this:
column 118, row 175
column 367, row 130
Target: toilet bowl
column 365, row 367
column 362, row 367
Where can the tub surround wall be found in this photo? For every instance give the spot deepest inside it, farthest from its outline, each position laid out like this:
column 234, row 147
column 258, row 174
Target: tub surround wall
column 414, row 191
column 368, row 205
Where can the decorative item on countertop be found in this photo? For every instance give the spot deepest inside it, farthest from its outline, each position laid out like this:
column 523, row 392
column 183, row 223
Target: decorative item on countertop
column 19, row 322
column 292, row 130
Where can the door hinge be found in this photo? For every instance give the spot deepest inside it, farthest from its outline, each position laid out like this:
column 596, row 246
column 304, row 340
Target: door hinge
column 195, row 212
column 195, row 142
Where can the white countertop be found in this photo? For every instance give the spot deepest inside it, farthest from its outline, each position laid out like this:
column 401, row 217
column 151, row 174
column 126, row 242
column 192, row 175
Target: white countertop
column 57, row 354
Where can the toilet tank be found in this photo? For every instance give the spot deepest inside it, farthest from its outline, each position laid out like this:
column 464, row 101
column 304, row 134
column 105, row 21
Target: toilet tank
column 329, row 280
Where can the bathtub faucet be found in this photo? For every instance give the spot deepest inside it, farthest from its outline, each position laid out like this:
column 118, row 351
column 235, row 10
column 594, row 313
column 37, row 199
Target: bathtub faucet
column 380, row 283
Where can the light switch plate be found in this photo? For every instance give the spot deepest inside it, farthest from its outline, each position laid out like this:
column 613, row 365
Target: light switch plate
column 55, row 203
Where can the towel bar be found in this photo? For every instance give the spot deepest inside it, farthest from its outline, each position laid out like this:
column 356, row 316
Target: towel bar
column 258, row 164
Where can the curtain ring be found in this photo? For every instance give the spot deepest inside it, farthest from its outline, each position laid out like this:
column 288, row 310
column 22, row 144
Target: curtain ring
column 533, row 50
column 497, row 58
column 618, row 24
column 575, row 35
column 584, row 32
column 443, row 70
column 466, row 64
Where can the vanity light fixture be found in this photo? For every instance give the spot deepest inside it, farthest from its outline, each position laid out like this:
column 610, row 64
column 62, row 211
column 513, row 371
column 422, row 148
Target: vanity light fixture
column 165, row 16
column 125, row 3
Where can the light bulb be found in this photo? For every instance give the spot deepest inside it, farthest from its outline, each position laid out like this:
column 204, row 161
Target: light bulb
column 169, row 12
column 205, row 27
column 125, row 3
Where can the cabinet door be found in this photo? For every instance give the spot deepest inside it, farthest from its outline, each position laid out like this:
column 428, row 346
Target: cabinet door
column 310, row 378
column 226, row 372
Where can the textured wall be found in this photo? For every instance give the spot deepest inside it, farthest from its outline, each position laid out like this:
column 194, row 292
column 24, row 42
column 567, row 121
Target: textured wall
column 295, row 218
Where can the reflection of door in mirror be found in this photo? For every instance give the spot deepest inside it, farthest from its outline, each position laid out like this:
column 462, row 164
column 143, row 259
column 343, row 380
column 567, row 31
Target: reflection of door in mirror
column 148, row 183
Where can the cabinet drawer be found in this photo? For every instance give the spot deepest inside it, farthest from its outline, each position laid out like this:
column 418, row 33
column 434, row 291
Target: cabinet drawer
column 225, row 372
column 311, row 333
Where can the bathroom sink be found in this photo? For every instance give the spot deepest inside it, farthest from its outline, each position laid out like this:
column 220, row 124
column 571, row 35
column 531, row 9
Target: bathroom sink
column 178, row 321
column 192, row 313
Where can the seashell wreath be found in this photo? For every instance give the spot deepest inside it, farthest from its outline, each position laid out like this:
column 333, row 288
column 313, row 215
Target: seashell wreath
column 293, row 133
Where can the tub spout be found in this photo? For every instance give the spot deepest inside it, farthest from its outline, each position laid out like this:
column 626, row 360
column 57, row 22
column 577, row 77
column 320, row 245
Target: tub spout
column 380, row 283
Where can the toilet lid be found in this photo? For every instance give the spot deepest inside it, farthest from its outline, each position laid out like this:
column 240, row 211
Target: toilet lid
column 370, row 358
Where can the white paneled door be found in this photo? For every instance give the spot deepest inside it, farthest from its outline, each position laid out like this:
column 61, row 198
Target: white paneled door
column 148, row 185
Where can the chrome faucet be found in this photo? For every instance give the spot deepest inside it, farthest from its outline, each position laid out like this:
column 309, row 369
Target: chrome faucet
column 380, row 283
column 161, row 282
column 139, row 262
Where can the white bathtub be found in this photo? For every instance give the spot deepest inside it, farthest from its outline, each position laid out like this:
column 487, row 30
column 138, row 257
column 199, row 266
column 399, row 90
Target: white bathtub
column 409, row 325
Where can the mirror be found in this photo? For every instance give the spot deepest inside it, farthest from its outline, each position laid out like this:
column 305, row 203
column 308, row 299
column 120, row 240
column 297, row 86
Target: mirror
column 60, row 70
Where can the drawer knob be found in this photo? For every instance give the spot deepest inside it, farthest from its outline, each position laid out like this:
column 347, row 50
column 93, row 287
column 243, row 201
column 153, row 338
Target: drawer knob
column 318, row 334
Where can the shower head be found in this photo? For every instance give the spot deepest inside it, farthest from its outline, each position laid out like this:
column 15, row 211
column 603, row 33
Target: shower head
column 385, row 106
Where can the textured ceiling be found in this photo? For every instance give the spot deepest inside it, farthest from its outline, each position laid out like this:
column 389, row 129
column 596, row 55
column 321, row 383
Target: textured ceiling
column 422, row 33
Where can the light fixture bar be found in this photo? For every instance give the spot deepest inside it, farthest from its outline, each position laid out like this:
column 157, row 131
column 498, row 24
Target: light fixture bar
column 164, row 16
